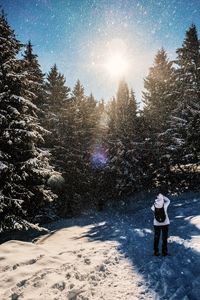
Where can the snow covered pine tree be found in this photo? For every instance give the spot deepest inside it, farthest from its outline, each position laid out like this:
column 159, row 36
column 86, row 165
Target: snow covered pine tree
column 159, row 101
column 35, row 77
column 24, row 168
column 184, row 130
column 123, row 154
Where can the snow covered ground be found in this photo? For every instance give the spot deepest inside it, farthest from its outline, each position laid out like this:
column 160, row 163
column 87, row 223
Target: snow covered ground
column 107, row 256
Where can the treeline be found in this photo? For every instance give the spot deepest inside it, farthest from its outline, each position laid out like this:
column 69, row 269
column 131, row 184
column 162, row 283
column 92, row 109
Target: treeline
column 62, row 151
column 159, row 147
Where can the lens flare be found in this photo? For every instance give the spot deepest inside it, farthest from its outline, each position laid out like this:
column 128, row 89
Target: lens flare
column 99, row 157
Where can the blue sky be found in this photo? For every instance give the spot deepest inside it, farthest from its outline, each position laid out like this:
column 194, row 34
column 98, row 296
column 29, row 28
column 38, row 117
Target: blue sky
column 77, row 34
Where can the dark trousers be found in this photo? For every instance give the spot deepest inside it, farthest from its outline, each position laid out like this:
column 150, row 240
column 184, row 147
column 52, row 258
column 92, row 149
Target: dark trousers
column 157, row 232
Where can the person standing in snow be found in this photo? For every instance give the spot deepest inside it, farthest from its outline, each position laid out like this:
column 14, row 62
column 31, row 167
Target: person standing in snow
column 161, row 223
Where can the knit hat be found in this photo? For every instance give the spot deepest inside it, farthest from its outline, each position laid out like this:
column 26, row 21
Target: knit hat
column 159, row 201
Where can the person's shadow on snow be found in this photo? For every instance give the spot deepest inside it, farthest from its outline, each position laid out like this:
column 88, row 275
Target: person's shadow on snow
column 173, row 277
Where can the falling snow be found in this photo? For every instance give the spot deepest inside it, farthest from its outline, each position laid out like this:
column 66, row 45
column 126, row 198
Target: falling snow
column 67, row 32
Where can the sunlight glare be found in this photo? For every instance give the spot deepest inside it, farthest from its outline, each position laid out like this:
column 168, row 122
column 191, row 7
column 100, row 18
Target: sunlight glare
column 116, row 65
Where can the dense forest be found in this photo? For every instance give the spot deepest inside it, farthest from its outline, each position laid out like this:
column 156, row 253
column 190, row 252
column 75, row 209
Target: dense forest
column 62, row 151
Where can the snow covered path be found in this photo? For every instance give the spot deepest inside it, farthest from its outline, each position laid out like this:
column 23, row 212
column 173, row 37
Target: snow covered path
column 65, row 265
column 106, row 256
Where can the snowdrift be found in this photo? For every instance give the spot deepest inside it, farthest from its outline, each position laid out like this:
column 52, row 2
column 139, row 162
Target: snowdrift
column 106, row 256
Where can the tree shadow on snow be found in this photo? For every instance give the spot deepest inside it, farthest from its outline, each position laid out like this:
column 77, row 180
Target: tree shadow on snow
column 173, row 277
column 32, row 235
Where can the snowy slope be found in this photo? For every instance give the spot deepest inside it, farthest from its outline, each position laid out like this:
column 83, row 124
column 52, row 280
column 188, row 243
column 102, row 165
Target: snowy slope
column 107, row 256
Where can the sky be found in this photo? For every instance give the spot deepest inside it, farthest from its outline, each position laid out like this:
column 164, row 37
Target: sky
column 83, row 36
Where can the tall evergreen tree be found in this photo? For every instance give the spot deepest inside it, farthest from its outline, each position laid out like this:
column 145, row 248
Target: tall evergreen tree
column 158, row 97
column 80, row 121
column 159, row 100
column 24, row 167
column 57, row 96
column 122, row 140
column 57, row 91
column 34, row 75
column 184, row 129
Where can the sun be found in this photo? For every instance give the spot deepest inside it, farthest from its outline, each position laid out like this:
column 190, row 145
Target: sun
column 112, row 59
column 116, row 65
